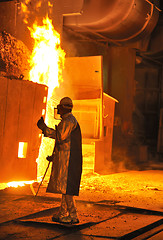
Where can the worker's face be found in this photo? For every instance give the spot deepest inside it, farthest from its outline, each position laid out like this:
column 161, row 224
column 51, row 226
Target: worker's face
column 57, row 114
column 60, row 110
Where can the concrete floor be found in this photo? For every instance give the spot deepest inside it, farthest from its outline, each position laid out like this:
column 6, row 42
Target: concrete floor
column 103, row 215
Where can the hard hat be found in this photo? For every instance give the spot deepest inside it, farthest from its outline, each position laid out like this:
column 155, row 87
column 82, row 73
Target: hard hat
column 66, row 102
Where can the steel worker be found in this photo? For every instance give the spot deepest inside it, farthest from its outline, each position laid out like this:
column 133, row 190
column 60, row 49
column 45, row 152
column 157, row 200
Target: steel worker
column 67, row 160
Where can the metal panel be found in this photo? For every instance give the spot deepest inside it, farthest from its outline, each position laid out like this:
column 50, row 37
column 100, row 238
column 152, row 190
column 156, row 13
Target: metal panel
column 20, row 112
column 9, row 152
column 103, row 148
column 83, row 77
column 87, row 113
column 3, row 102
column 83, row 83
column 25, row 127
column 39, row 104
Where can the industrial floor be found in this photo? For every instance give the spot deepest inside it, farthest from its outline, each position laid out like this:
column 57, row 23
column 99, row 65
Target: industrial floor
column 127, row 205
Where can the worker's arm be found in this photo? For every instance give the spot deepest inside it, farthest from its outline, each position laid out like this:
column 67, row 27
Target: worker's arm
column 64, row 130
column 49, row 132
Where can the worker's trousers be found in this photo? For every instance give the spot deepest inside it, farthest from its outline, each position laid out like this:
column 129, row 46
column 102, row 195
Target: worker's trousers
column 68, row 206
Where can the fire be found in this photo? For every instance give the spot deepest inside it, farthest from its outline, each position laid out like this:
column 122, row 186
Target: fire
column 18, row 184
column 47, row 61
column 47, row 58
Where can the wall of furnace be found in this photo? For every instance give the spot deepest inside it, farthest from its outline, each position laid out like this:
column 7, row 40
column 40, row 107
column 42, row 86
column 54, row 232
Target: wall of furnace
column 21, row 105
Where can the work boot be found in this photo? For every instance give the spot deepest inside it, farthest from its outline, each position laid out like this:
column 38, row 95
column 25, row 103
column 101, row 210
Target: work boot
column 74, row 220
column 73, row 216
column 63, row 213
column 72, row 209
column 66, row 220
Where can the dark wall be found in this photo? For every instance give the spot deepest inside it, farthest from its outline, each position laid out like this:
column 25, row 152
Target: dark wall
column 7, row 17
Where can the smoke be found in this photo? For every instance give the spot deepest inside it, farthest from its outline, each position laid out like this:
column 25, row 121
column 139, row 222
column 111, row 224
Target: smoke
column 122, row 161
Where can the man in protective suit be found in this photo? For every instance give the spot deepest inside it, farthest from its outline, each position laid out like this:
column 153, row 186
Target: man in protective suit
column 67, row 160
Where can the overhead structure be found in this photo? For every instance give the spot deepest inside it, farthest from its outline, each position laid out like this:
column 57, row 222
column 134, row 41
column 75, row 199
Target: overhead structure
column 116, row 20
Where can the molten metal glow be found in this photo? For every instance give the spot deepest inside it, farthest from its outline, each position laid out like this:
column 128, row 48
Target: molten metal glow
column 18, row 184
column 22, row 150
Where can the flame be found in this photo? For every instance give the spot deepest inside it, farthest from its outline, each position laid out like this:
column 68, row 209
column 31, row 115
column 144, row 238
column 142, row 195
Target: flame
column 47, row 62
column 47, row 59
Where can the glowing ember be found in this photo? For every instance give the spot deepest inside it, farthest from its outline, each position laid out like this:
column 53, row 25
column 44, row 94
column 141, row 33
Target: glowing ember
column 18, row 184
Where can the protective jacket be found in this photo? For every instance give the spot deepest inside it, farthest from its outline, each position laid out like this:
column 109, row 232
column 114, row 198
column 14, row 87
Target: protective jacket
column 67, row 164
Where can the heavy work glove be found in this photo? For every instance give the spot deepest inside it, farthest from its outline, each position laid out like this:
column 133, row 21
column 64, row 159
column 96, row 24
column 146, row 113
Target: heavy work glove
column 41, row 124
column 50, row 158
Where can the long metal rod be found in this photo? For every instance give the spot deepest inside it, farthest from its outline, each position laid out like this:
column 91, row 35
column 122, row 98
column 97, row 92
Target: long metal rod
column 42, row 179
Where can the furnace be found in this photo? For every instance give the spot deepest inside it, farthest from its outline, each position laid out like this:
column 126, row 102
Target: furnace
column 21, row 104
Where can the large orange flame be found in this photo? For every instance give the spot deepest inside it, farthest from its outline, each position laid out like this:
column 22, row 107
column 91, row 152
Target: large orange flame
column 47, row 62
column 47, row 58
